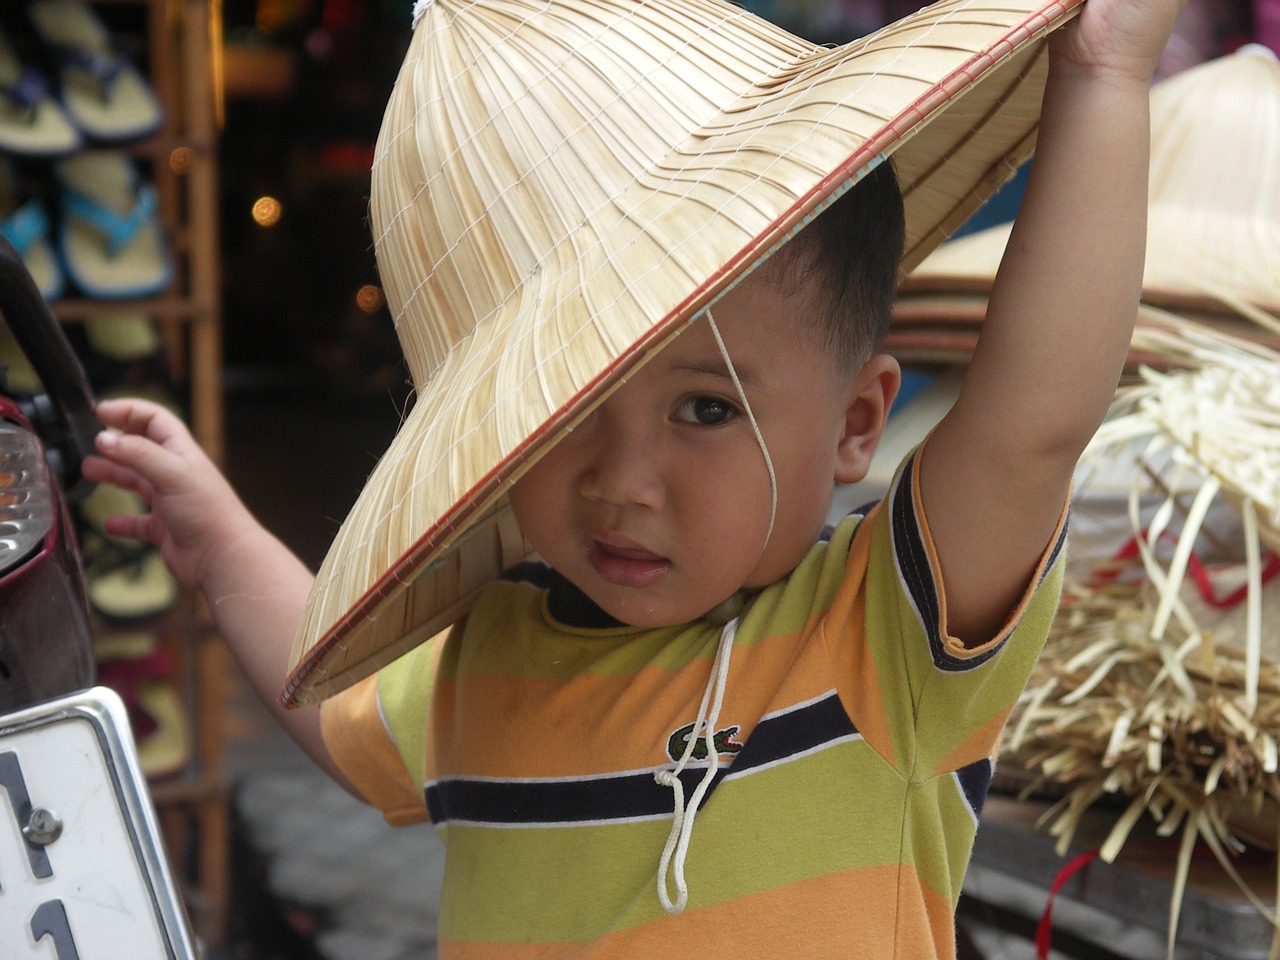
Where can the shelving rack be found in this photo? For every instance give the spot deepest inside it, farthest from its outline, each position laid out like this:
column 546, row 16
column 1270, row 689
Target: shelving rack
column 180, row 57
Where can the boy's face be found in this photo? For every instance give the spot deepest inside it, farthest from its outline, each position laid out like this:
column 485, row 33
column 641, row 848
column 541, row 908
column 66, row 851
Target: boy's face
column 657, row 505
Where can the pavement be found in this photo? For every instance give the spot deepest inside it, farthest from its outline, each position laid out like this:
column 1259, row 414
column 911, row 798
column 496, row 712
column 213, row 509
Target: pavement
column 317, row 874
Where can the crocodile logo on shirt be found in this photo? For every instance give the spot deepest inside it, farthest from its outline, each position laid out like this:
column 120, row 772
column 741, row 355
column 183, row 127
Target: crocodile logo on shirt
column 723, row 739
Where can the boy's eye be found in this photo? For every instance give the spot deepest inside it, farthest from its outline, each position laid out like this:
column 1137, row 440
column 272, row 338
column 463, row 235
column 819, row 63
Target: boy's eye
column 707, row 411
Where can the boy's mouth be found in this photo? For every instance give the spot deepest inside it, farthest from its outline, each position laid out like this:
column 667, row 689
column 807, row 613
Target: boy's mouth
column 624, row 564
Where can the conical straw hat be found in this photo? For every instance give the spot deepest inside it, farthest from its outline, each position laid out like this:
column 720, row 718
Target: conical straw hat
column 1214, row 226
column 561, row 186
column 1214, row 221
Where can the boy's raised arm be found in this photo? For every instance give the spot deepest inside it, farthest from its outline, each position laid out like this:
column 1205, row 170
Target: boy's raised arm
column 997, row 470
column 254, row 585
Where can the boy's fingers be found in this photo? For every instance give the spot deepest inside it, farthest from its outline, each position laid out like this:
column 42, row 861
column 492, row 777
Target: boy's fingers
column 144, row 418
column 101, row 470
column 133, row 526
column 126, row 413
column 140, row 457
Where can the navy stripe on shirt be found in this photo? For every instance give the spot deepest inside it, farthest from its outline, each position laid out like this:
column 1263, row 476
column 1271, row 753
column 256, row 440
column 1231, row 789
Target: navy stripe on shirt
column 633, row 794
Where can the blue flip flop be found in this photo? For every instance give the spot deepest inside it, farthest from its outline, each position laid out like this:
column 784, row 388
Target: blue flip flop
column 102, row 92
column 25, row 224
column 111, row 241
column 32, row 124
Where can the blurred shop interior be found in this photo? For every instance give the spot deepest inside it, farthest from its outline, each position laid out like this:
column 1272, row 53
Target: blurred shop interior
column 252, row 305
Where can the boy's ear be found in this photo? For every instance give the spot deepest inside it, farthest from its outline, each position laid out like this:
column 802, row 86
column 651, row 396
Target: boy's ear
column 870, row 397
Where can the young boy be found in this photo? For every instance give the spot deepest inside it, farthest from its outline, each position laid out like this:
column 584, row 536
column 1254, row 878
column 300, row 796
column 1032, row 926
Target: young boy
column 694, row 649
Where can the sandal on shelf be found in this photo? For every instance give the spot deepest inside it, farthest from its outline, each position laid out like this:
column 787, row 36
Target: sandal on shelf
column 102, row 92
column 134, row 666
column 126, row 580
column 32, row 123
column 123, row 354
column 111, row 240
column 123, row 337
column 25, row 224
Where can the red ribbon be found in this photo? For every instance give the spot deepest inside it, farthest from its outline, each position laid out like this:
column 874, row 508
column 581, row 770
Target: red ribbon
column 1044, row 932
column 1199, row 575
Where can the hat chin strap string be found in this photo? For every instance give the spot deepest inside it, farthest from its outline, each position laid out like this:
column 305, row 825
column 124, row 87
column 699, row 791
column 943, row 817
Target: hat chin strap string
column 676, row 850
column 755, row 427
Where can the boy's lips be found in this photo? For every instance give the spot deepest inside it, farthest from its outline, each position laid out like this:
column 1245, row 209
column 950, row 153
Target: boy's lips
column 623, row 563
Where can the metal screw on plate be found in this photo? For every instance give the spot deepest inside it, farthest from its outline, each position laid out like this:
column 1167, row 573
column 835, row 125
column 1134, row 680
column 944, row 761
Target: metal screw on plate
column 43, row 827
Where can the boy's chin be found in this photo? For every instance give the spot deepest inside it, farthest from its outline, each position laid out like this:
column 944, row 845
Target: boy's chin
column 658, row 616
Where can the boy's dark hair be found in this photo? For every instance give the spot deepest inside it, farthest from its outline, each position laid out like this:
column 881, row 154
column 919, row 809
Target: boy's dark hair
column 851, row 251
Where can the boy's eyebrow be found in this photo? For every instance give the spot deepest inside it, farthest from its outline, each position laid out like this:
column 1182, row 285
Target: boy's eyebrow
column 717, row 368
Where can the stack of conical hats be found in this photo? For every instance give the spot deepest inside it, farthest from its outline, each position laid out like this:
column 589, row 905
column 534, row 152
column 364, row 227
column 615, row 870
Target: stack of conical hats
column 1213, row 240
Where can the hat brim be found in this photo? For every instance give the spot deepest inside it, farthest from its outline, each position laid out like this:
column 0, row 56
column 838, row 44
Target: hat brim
column 951, row 93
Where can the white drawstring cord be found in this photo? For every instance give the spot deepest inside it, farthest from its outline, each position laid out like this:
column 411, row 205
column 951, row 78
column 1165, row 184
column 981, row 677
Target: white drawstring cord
column 676, row 851
column 677, row 848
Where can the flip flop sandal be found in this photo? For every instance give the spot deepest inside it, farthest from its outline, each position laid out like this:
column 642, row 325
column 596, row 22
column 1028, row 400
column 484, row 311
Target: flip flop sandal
column 133, row 666
column 123, row 354
column 126, row 583
column 125, row 579
column 103, row 93
column 25, row 224
column 32, row 124
column 111, row 240
column 124, row 337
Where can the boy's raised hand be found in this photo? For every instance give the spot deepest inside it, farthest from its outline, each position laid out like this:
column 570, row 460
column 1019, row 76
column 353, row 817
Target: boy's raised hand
column 1125, row 37
column 194, row 512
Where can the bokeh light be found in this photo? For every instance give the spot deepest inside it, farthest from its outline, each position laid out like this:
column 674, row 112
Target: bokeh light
column 369, row 298
column 181, row 159
column 267, row 211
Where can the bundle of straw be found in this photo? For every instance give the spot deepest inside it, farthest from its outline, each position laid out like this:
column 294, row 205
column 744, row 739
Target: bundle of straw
column 1148, row 693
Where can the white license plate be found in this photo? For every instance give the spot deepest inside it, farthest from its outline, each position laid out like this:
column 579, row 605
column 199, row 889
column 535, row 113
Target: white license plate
column 83, row 873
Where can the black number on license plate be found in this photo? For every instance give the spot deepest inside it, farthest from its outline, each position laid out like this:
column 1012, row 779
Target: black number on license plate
column 50, row 918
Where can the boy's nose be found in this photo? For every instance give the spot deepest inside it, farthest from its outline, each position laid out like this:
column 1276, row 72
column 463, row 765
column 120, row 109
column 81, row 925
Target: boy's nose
column 624, row 468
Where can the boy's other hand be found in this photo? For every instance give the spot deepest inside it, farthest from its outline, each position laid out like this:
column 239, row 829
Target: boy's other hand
column 194, row 512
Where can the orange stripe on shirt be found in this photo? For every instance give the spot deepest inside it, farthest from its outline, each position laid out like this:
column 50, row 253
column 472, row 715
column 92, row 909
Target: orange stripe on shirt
column 774, row 923
column 371, row 762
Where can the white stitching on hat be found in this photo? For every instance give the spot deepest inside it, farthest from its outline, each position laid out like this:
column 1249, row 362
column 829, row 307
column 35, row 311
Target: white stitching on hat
column 515, row 387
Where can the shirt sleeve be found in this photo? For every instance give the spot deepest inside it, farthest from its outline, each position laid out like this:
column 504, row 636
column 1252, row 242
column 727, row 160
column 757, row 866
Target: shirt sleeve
column 376, row 732
column 924, row 701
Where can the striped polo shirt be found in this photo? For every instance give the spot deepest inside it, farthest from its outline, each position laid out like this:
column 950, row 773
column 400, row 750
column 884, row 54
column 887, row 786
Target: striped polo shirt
column 855, row 747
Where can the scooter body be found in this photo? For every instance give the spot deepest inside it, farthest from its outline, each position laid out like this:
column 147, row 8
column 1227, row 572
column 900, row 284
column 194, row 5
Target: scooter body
column 83, row 873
